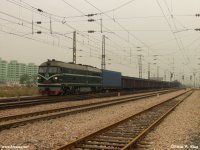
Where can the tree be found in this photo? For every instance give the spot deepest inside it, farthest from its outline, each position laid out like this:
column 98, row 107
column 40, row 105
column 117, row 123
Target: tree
column 25, row 79
column 34, row 79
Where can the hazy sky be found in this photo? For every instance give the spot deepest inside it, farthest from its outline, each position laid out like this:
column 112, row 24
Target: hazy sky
column 163, row 29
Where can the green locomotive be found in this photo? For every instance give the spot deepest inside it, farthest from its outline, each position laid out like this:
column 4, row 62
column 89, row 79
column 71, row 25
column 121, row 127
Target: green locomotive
column 56, row 77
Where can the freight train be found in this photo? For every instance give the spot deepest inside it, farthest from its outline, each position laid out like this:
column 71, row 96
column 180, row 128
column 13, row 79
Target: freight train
column 60, row 78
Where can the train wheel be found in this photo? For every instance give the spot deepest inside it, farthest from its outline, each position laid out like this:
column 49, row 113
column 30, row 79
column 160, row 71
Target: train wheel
column 63, row 89
column 77, row 90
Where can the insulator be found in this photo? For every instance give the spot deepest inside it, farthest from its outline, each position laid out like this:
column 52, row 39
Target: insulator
column 197, row 15
column 171, row 75
column 39, row 32
column 91, row 31
column 90, row 15
column 91, row 20
column 40, row 10
column 39, row 22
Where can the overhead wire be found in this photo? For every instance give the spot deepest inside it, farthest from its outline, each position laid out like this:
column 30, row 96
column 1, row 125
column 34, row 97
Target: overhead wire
column 59, row 21
column 85, row 14
column 96, row 22
column 30, row 38
column 189, row 62
column 179, row 47
column 48, row 14
column 36, row 25
column 123, row 28
column 33, row 7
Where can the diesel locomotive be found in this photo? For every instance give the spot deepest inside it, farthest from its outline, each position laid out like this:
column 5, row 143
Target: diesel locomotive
column 56, row 77
column 60, row 78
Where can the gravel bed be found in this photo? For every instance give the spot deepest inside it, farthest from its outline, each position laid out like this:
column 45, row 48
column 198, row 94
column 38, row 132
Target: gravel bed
column 53, row 106
column 56, row 132
column 180, row 129
column 195, row 139
column 36, row 108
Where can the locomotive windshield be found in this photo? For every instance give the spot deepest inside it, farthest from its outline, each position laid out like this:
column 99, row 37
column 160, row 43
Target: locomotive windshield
column 49, row 70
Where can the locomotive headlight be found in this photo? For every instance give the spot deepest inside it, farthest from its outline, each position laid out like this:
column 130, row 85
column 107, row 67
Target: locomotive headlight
column 38, row 78
column 56, row 78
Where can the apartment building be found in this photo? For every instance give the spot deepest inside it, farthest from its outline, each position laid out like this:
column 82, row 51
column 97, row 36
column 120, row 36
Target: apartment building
column 3, row 71
column 11, row 72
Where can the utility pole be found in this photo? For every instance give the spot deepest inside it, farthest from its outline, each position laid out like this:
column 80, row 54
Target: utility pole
column 140, row 65
column 130, row 55
column 157, row 72
column 183, row 79
column 199, row 81
column 165, row 76
column 171, row 76
column 50, row 26
column 103, row 60
column 74, row 47
column 32, row 26
column 173, row 64
column 101, row 26
column 194, row 79
column 149, row 71
column 140, row 62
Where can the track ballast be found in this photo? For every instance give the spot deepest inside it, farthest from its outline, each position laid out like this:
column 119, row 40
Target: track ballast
column 126, row 133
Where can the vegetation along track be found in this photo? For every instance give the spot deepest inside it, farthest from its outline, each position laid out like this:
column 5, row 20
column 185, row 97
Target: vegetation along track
column 21, row 119
column 36, row 100
column 124, row 134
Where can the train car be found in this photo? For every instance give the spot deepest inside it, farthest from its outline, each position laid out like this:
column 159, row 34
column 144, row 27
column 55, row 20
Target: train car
column 134, row 83
column 56, row 77
column 138, row 83
column 60, row 78
column 174, row 84
column 111, row 80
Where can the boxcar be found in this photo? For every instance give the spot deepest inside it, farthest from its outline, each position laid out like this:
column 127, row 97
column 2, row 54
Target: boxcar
column 111, row 79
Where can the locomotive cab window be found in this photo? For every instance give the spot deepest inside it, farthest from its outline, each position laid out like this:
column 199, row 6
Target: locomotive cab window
column 42, row 69
column 52, row 70
column 49, row 70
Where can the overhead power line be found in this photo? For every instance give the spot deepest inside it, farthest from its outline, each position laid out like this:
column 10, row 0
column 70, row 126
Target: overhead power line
column 48, row 29
column 179, row 47
column 143, row 43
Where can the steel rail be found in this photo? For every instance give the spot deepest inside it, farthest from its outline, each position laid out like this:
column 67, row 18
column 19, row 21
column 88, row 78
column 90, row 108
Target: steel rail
column 46, row 100
column 17, row 104
column 20, row 98
column 124, row 134
column 26, row 98
column 16, row 120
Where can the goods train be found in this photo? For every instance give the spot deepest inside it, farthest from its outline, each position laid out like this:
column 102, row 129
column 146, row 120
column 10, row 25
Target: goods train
column 60, row 78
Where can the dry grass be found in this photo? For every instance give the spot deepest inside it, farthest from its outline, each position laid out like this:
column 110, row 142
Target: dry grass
column 18, row 91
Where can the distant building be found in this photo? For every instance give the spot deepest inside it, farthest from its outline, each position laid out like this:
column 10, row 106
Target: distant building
column 3, row 71
column 31, row 69
column 10, row 72
column 13, row 74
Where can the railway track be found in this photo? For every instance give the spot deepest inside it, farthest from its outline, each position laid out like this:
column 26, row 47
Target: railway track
column 16, row 99
column 125, row 134
column 25, row 102
column 21, row 119
column 27, row 98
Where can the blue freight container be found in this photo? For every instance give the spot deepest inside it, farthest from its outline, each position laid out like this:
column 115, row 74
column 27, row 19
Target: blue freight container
column 111, row 79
